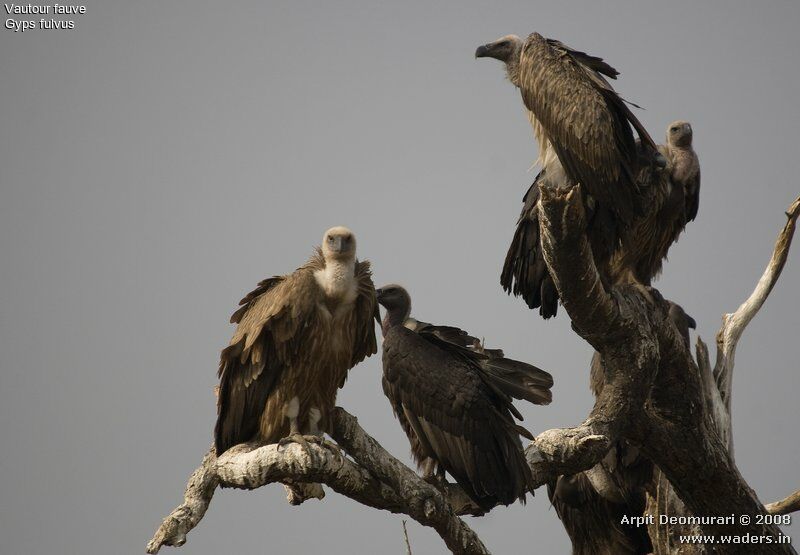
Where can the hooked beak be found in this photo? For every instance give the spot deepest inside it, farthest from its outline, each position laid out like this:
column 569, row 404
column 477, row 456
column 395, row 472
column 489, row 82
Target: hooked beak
column 337, row 245
column 379, row 294
column 482, row 51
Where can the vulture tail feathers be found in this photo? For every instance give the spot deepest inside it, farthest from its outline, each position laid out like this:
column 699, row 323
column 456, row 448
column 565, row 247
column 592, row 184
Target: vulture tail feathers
column 524, row 432
column 520, row 380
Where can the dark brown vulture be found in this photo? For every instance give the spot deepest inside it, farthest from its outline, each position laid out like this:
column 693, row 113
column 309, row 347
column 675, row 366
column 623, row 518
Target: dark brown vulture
column 296, row 339
column 591, row 504
column 585, row 135
column 453, row 399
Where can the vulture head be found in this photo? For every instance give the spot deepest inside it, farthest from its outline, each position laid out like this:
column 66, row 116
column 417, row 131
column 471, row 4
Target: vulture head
column 339, row 244
column 397, row 302
column 679, row 134
column 505, row 49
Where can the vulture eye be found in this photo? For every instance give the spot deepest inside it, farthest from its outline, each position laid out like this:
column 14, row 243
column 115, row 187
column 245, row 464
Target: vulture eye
column 674, row 129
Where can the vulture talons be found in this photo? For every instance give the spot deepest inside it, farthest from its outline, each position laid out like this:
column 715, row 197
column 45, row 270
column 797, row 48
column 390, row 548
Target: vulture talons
column 305, row 442
column 332, row 446
column 299, row 439
column 437, row 480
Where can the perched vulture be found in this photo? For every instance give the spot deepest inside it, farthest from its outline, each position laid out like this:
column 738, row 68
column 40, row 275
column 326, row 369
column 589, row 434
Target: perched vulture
column 683, row 164
column 591, row 504
column 585, row 134
column 671, row 197
column 453, row 399
column 296, row 339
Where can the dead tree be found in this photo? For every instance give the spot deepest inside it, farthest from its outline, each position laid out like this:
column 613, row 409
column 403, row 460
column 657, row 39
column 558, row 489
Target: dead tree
column 656, row 396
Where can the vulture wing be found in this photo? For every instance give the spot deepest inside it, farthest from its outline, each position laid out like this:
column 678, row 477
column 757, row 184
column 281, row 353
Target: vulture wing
column 455, row 417
column 366, row 315
column 507, row 377
column 524, row 270
column 693, row 197
column 587, row 123
column 274, row 321
column 265, row 342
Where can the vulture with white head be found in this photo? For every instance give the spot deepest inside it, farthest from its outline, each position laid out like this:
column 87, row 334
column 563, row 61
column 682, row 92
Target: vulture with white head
column 683, row 164
column 454, row 400
column 297, row 337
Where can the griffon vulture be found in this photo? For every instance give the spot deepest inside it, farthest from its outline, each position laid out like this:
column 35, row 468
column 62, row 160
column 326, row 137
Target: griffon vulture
column 584, row 131
column 453, row 399
column 296, row 339
column 683, row 164
column 670, row 197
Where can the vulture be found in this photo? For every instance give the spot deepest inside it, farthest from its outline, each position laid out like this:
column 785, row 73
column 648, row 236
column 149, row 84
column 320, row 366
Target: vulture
column 454, row 401
column 683, row 164
column 297, row 336
column 591, row 504
column 585, row 132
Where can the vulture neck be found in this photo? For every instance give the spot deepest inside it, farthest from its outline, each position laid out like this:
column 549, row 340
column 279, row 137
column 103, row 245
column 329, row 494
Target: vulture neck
column 547, row 155
column 512, row 70
column 338, row 278
column 395, row 316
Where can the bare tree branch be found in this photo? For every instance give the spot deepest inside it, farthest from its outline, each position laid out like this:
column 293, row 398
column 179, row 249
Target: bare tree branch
column 564, row 246
column 199, row 492
column 785, row 506
column 565, row 451
column 716, row 387
column 424, row 503
column 249, row 466
column 372, row 477
column 654, row 394
column 733, row 325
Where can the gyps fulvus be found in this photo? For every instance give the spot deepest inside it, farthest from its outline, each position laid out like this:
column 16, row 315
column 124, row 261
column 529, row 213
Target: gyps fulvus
column 453, row 399
column 296, row 339
column 584, row 133
column 684, row 166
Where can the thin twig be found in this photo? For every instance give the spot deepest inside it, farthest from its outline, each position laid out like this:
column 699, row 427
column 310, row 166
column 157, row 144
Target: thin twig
column 405, row 535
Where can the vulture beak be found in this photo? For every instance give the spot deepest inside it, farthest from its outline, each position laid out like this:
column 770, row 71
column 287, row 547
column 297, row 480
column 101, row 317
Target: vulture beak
column 379, row 294
column 483, row 51
column 338, row 244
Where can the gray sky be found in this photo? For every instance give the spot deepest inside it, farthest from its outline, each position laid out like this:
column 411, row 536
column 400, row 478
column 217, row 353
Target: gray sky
column 161, row 158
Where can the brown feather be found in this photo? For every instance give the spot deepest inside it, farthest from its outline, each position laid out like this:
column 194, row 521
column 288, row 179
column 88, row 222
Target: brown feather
column 453, row 399
column 584, row 120
column 288, row 345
